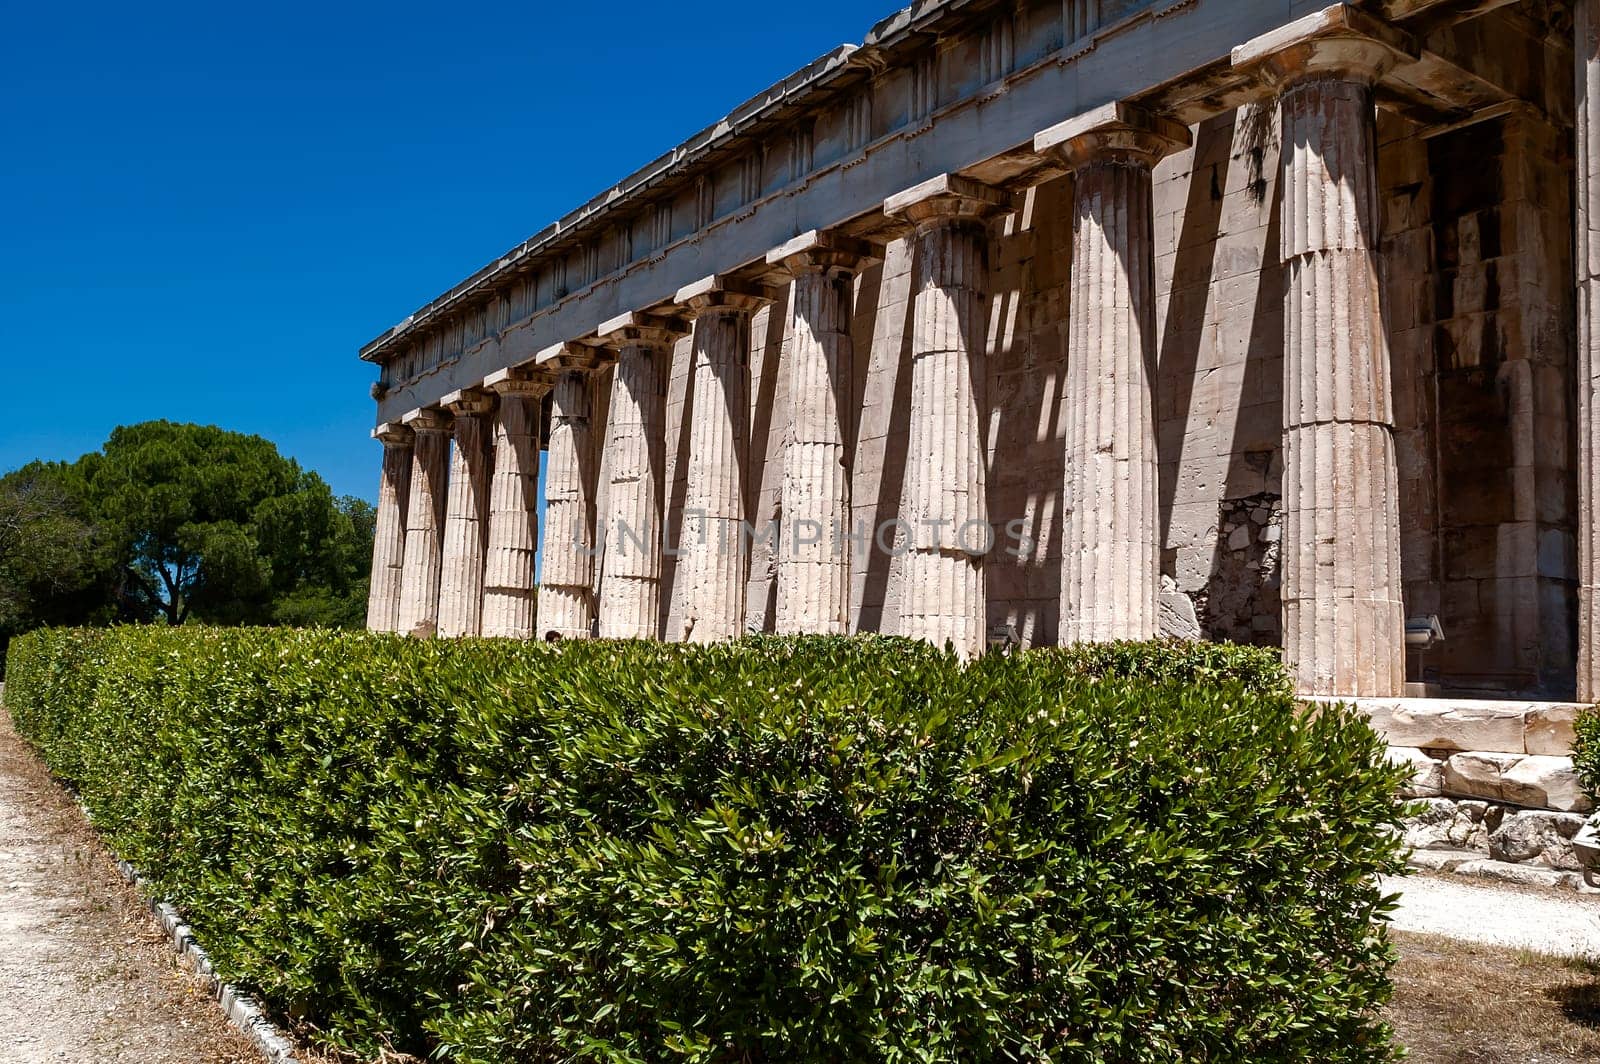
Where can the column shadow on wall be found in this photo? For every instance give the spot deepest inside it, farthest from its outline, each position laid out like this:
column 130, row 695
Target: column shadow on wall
column 1246, row 563
column 1027, row 471
column 891, row 480
column 1181, row 335
column 1191, row 282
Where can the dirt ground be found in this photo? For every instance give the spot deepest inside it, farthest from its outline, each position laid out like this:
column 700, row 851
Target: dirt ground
column 86, row 976
column 1461, row 1003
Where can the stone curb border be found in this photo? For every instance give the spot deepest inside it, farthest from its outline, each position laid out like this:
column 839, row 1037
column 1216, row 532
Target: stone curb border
column 240, row 1009
column 1467, row 864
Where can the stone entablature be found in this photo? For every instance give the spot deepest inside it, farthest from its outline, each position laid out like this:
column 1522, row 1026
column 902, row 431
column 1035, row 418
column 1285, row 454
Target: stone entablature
column 1066, row 213
column 929, row 92
column 831, row 113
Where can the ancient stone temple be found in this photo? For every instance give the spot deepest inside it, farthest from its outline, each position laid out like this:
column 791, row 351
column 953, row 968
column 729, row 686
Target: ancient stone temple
column 1040, row 321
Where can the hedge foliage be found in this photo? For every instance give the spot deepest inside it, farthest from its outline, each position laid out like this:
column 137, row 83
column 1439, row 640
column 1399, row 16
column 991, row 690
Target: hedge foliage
column 821, row 850
column 1586, row 752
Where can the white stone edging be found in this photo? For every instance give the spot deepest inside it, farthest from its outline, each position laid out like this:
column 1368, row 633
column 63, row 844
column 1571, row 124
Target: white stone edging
column 1472, row 865
column 240, row 1009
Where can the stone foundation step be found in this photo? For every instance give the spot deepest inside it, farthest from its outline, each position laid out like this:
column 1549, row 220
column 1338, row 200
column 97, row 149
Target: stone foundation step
column 1539, row 729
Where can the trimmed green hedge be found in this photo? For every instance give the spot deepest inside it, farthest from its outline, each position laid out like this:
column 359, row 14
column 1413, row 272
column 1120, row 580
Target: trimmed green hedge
column 820, row 850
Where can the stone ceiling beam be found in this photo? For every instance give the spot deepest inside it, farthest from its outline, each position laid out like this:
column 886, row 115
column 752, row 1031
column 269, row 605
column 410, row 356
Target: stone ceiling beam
column 1417, row 11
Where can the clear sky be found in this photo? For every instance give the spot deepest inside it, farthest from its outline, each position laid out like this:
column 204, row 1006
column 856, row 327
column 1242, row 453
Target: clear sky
column 205, row 210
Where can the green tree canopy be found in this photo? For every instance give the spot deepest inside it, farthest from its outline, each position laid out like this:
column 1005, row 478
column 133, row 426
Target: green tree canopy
column 51, row 571
column 176, row 522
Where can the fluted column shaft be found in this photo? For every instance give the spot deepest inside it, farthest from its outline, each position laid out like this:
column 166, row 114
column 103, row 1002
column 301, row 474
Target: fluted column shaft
column 1344, row 624
column 466, row 525
column 715, row 558
column 566, row 597
column 814, row 545
column 430, row 472
column 944, row 594
column 630, row 601
column 1111, row 546
column 389, row 545
column 1587, row 221
column 630, row 592
column 509, row 585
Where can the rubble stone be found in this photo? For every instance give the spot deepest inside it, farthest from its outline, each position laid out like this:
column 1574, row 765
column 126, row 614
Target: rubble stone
column 1541, row 837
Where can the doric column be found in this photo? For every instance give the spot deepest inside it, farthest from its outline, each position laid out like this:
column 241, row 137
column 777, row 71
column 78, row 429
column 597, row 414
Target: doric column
column 1587, row 221
column 636, row 441
column 509, row 585
column 1111, row 546
column 1344, row 624
column 466, row 522
column 389, row 547
column 430, row 472
column 714, row 560
column 566, row 594
column 944, row 596
column 814, row 544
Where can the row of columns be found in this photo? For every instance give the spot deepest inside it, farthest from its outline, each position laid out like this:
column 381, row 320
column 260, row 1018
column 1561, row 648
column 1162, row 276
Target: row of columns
column 1341, row 581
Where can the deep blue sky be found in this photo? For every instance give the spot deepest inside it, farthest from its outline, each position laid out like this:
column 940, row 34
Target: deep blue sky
column 206, row 209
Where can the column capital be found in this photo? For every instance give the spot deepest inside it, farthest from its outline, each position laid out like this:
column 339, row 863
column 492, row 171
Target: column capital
column 569, row 357
column 821, row 250
column 520, row 380
column 720, row 293
column 633, row 329
column 1116, row 132
column 393, row 434
column 427, row 420
column 946, row 198
column 1336, row 42
column 468, row 402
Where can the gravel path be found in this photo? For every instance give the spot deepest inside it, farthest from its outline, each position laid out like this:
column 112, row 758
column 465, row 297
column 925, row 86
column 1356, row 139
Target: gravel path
column 85, row 974
column 1557, row 923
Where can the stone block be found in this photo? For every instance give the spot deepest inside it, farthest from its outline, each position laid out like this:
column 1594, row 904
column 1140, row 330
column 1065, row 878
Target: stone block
column 1533, row 782
column 1546, row 782
column 1177, row 615
column 1439, row 724
column 1549, row 728
column 1478, row 775
column 1442, row 860
column 1427, row 777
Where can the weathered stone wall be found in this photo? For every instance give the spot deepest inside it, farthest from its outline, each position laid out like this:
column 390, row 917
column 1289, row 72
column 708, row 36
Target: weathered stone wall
column 1477, row 225
column 1221, row 384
